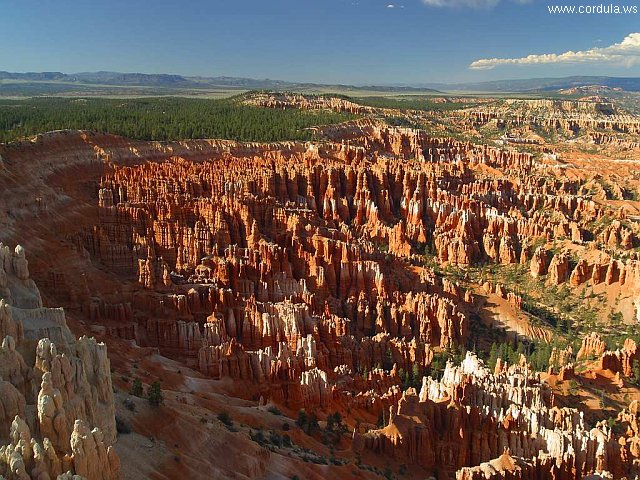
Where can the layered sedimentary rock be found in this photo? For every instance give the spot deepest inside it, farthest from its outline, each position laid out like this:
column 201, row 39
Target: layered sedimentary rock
column 249, row 262
column 316, row 276
column 570, row 117
column 518, row 468
column 304, row 102
column 267, row 245
column 558, row 269
column 539, row 263
column 622, row 360
column 66, row 395
column 473, row 416
column 592, row 346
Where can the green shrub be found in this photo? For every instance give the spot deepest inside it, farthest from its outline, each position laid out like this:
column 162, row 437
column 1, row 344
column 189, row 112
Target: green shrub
column 122, row 427
column 225, row 418
column 136, row 388
column 275, row 410
column 129, row 405
column 154, row 394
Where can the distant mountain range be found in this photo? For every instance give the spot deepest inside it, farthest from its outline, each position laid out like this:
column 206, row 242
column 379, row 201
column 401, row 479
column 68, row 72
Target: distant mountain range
column 162, row 80
column 33, row 81
column 140, row 79
column 629, row 84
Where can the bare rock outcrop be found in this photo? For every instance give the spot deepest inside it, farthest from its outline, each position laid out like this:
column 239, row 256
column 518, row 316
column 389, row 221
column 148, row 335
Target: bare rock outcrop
column 324, row 276
column 593, row 346
column 539, row 262
column 472, row 415
column 558, row 269
column 75, row 390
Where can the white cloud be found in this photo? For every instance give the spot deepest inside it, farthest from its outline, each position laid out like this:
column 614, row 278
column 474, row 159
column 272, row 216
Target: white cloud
column 625, row 53
column 467, row 3
column 391, row 5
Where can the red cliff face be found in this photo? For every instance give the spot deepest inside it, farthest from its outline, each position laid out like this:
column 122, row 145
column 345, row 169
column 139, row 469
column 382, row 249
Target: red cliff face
column 558, row 269
column 592, row 347
column 57, row 416
column 464, row 421
column 622, row 360
column 247, row 262
column 539, row 263
column 563, row 116
column 313, row 276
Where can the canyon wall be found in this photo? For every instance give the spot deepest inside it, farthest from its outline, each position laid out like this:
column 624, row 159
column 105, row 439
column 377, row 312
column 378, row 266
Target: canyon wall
column 57, row 416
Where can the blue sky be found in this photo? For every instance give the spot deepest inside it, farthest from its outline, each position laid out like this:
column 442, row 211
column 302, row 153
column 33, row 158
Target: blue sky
column 333, row 41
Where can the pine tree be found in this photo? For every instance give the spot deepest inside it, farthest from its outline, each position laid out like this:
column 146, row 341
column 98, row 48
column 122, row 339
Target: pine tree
column 302, row 418
column 154, row 394
column 493, row 356
column 416, row 377
column 636, row 372
column 136, row 388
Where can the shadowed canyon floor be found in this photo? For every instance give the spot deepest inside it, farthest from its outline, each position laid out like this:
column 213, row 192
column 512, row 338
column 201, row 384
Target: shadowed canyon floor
column 385, row 302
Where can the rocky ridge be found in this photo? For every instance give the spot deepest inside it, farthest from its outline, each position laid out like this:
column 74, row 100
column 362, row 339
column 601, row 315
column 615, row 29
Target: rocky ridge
column 57, row 414
column 297, row 273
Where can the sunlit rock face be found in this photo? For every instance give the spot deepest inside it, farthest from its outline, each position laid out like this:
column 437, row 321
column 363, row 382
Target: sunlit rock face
column 66, row 394
column 498, row 425
column 310, row 275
